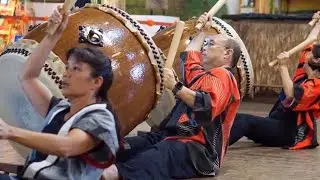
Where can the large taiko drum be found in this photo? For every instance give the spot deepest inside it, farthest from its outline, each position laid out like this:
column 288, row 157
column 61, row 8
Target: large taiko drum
column 136, row 62
column 243, row 72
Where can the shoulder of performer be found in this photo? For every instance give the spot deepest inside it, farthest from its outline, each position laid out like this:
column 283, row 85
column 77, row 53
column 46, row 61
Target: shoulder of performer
column 221, row 72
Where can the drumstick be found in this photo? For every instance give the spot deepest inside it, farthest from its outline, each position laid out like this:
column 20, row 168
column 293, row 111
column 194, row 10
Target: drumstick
column 212, row 12
column 174, row 44
column 53, row 27
column 295, row 49
column 313, row 22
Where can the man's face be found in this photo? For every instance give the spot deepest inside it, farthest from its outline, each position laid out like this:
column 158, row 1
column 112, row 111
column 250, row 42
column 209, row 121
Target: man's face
column 214, row 51
column 314, row 57
column 312, row 61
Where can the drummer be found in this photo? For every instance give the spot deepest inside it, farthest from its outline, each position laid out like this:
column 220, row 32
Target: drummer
column 292, row 121
column 193, row 139
column 92, row 139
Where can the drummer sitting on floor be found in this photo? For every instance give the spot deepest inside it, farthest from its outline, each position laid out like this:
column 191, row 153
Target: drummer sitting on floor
column 80, row 138
column 292, row 121
column 193, row 139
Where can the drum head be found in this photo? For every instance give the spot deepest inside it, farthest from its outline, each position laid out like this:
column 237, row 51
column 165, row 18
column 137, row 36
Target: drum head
column 15, row 108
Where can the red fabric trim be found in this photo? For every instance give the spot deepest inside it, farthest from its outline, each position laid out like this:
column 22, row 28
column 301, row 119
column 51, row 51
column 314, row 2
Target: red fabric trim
column 307, row 142
column 97, row 164
column 197, row 138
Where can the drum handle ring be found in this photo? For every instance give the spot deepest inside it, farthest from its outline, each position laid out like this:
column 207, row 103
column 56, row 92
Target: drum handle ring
column 95, row 38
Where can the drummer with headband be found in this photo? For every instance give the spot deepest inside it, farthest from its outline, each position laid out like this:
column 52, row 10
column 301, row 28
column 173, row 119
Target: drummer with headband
column 292, row 121
column 192, row 141
column 81, row 134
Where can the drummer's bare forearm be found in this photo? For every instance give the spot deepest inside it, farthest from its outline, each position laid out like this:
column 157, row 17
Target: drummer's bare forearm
column 197, row 42
column 187, row 95
column 286, row 80
column 34, row 64
column 63, row 146
column 37, row 93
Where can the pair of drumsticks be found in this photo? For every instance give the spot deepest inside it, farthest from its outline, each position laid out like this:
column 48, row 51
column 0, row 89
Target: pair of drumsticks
column 300, row 46
column 179, row 30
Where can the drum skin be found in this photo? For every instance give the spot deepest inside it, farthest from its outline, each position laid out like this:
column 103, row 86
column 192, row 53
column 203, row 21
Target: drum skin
column 15, row 108
column 137, row 82
column 244, row 76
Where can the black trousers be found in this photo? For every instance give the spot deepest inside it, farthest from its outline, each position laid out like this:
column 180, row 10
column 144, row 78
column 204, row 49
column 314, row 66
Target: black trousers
column 273, row 131
column 152, row 158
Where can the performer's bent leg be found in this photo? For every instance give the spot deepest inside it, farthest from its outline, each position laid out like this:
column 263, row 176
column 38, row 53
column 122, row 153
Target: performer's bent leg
column 133, row 147
column 137, row 144
column 264, row 130
column 165, row 160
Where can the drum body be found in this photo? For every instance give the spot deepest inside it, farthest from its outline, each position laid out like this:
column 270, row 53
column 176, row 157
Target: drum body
column 243, row 73
column 136, row 62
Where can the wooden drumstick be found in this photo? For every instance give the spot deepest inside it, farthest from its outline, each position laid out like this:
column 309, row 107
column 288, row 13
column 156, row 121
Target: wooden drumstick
column 53, row 27
column 175, row 44
column 313, row 22
column 212, row 12
column 295, row 49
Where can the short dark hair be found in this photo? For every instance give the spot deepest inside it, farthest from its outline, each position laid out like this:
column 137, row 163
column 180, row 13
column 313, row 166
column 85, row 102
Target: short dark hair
column 99, row 62
column 234, row 45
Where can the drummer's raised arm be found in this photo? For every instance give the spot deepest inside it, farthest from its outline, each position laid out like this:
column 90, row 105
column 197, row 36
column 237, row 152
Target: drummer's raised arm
column 38, row 94
column 197, row 41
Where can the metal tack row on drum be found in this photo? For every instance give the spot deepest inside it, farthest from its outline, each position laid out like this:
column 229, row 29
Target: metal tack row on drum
column 137, row 92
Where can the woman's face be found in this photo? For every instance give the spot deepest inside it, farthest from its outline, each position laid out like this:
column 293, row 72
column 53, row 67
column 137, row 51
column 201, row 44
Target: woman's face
column 77, row 80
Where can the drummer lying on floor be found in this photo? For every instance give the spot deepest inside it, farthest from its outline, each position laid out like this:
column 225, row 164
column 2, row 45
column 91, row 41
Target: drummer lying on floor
column 292, row 121
column 193, row 139
column 80, row 137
